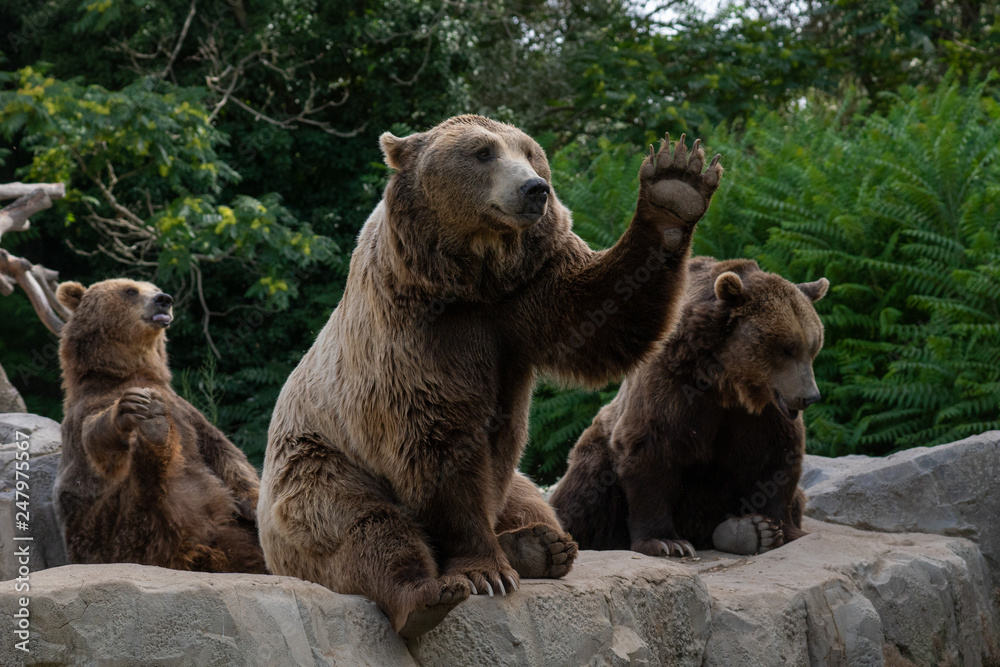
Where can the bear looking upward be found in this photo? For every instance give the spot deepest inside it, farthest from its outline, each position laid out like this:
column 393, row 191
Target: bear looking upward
column 144, row 477
column 391, row 456
column 706, row 435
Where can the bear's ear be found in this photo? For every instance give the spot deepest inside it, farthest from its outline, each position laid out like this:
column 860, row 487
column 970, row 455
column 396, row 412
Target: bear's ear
column 70, row 293
column 729, row 288
column 399, row 151
column 815, row 290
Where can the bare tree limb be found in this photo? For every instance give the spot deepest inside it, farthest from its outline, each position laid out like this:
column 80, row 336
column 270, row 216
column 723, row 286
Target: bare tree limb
column 208, row 313
column 169, row 69
column 14, row 217
column 15, row 190
column 20, row 270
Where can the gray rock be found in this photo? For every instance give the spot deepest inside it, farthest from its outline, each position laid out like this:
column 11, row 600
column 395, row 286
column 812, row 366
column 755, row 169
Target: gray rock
column 838, row 596
column 951, row 489
column 10, row 397
column 614, row 608
column 44, row 440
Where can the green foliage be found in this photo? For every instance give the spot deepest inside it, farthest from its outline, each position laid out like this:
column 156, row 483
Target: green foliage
column 231, row 155
column 901, row 212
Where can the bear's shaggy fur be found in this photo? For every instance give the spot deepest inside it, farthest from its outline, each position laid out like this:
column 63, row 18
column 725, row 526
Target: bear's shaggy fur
column 390, row 466
column 144, row 477
column 708, row 429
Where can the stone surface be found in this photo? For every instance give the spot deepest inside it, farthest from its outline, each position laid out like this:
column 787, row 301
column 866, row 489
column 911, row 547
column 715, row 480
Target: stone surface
column 10, row 398
column 951, row 489
column 614, row 608
column 840, row 596
column 915, row 593
column 44, row 440
column 836, row 597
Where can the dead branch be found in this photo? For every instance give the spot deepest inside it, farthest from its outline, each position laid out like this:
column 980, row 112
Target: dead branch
column 169, row 69
column 15, row 190
column 38, row 282
column 20, row 270
column 14, row 217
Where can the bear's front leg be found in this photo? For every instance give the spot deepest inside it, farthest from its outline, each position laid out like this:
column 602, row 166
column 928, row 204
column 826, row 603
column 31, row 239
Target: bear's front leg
column 107, row 435
column 593, row 316
column 651, row 492
column 459, row 521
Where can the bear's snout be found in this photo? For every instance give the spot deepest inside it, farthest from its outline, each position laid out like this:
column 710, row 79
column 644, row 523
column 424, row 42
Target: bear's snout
column 160, row 314
column 810, row 399
column 535, row 192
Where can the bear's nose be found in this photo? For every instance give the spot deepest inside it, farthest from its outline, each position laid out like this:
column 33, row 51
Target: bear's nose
column 163, row 300
column 536, row 190
column 809, row 400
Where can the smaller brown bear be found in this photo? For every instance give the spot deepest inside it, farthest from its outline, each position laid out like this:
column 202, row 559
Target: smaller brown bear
column 144, row 477
column 704, row 442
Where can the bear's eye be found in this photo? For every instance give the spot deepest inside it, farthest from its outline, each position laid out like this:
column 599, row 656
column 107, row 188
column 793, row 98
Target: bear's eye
column 485, row 153
column 530, row 155
column 131, row 291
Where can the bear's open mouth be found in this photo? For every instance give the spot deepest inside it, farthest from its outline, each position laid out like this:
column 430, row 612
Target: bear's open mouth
column 779, row 400
column 162, row 319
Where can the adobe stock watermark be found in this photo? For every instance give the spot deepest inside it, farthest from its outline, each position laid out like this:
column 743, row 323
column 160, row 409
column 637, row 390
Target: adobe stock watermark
column 767, row 489
column 626, row 288
column 22, row 540
column 33, row 23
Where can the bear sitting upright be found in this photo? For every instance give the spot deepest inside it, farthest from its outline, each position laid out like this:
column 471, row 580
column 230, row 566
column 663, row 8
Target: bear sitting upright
column 391, row 456
column 704, row 442
column 144, row 477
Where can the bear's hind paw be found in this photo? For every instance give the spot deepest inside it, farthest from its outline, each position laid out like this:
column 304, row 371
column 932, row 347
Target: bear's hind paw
column 539, row 551
column 748, row 535
column 429, row 604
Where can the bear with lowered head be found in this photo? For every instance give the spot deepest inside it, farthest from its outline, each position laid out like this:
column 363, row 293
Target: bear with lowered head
column 703, row 444
column 144, row 477
column 391, row 459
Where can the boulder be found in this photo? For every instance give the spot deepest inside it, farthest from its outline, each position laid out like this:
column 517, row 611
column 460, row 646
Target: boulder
column 951, row 489
column 838, row 596
column 44, row 440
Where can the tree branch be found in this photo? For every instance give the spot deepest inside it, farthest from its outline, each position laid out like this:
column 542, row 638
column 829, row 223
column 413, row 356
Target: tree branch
column 180, row 42
column 21, row 271
column 15, row 190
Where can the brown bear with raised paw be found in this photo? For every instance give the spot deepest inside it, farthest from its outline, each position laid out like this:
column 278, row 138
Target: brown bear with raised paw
column 144, row 477
column 390, row 466
column 703, row 444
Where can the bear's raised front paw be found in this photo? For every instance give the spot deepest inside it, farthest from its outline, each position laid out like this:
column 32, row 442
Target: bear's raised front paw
column 664, row 547
column 748, row 535
column 144, row 409
column 428, row 604
column 676, row 187
column 488, row 576
column 539, row 551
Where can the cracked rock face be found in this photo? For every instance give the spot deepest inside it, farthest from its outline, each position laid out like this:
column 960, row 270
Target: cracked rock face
column 44, row 439
column 839, row 596
column 951, row 489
